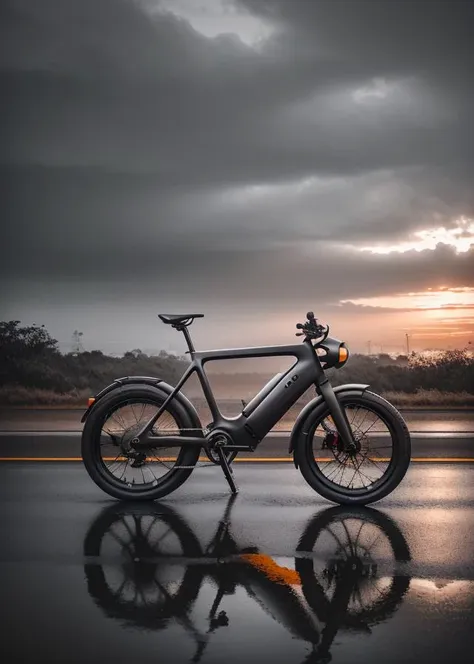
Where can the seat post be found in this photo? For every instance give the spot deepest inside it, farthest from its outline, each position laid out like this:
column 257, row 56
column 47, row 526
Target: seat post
column 187, row 336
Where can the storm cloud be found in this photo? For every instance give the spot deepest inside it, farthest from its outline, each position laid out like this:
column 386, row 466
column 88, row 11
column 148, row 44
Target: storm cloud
column 143, row 156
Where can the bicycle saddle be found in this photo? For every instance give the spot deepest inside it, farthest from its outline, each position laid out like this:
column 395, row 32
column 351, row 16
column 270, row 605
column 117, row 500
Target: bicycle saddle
column 173, row 319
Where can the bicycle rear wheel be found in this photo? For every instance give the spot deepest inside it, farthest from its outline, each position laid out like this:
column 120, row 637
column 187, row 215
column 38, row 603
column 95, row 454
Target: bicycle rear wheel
column 151, row 474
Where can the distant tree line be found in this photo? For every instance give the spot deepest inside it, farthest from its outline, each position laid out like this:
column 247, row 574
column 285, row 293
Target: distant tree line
column 448, row 371
column 30, row 361
column 29, row 358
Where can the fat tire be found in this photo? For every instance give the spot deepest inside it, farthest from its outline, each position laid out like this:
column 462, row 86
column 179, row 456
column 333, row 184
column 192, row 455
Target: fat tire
column 91, row 440
column 401, row 442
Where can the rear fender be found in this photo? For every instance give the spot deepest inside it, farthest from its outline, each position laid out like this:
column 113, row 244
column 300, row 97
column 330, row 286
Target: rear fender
column 181, row 399
column 311, row 409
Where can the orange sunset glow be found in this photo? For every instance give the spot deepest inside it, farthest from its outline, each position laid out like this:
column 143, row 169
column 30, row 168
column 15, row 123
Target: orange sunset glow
column 436, row 317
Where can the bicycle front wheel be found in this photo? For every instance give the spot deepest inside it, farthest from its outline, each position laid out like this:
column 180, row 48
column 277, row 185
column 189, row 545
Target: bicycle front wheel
column 374, row 469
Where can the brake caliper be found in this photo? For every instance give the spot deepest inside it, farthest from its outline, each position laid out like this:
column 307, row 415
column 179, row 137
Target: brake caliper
column 331, row 440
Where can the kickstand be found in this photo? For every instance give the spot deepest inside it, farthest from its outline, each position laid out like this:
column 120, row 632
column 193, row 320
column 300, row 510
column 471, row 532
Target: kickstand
column 226, row 468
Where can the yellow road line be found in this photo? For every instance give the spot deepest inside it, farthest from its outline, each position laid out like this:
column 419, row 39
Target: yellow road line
column 256, row 459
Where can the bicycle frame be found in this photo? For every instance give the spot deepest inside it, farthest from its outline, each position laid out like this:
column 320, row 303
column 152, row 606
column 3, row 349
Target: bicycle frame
column 260, row 415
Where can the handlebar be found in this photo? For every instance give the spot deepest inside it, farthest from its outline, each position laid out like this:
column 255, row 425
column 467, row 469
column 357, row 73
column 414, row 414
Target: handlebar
column 311, row 329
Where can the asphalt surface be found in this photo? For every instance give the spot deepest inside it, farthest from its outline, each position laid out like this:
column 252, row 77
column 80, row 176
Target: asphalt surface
column 292, row 578
column 57, row 445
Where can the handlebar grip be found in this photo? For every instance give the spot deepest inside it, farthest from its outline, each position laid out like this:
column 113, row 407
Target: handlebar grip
column 299, row 326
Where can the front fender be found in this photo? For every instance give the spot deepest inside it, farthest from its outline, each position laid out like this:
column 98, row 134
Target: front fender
column 149, row 380
column 354, row 388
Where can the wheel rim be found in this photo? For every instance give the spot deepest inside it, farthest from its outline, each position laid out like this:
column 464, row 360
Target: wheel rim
column 374, row 460
column 120, row 423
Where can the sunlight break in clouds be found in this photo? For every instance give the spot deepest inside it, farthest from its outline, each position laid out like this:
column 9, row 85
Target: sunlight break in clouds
column 441, row 298
column 212, row 18
column 461, row 237
column 377, row 89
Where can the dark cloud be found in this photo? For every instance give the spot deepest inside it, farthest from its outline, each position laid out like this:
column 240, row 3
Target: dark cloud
column 387, row 36
column 136, row 149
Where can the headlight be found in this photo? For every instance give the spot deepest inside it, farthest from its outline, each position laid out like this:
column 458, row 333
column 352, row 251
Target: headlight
column 336, row 353
column 343, row 355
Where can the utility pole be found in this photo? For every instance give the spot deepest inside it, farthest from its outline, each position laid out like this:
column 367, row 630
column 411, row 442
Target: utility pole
column 368, row 345
column 77, row 346
column 408, row 343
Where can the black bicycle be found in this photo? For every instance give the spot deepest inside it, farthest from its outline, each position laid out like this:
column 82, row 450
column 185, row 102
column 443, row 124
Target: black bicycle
column 142, row 438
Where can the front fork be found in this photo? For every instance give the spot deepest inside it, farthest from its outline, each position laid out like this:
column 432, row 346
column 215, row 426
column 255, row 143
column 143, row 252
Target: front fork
column 338, row 415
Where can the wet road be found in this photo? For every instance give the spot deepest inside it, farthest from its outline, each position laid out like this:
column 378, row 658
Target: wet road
column 288, row 577
column 57, row 445
column 69, row 419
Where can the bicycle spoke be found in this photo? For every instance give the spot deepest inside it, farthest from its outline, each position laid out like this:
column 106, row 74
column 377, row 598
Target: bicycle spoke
column 133, row 411
column 124, row 470
column 336, row 538
column 355, row 471
column 374, row 585
column 115, row 461
column 363, row 474
column 163, row 537
column 368, row 429
column 127, row 527
column 143, row 410
column 148, row 467
column 121, row 425
column 344, row 525
column 152, row 523
column 377, row 537
column 123, row 544
column 366, row 411
column 356, row 410
column 336, row 468
column 371, row 461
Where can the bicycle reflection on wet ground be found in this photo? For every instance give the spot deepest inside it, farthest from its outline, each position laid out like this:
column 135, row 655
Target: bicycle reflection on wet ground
column 146, row 568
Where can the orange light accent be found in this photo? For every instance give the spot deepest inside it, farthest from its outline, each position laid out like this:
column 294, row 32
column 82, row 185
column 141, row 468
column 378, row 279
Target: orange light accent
column 90, row 401
column 343, row 354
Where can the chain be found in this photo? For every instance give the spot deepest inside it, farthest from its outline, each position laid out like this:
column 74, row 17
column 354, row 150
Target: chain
column 203, row 464
column 198, row 464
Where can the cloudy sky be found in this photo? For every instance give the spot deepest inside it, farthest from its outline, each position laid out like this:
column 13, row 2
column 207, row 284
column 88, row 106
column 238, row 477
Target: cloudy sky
column 247, row 159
